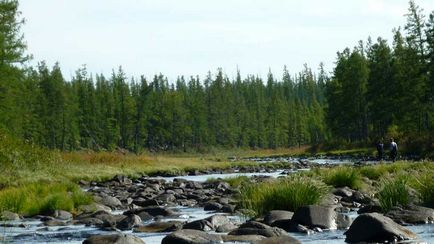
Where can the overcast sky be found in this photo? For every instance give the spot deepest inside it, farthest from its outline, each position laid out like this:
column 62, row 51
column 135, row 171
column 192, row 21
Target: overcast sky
column 191, row 37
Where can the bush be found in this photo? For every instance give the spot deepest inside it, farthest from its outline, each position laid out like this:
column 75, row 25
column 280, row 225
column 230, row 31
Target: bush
column 343, row 176
column 394, row 192
column 283, row 194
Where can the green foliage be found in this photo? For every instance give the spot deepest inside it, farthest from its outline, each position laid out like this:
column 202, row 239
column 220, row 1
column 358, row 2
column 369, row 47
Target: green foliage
column 283, row 194
column 343, row 176
column 394, row 192
column 424, row 184
column 39, row 198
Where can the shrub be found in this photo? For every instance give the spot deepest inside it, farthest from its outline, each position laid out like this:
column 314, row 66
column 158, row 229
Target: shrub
column 343, row 176
column 394, row 192
column 283, row 194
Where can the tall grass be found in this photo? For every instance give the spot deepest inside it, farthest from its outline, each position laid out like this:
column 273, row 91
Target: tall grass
column 394, row 192
column 343, row 176
column 424, row 184
column 35, row 198
column 283, row 194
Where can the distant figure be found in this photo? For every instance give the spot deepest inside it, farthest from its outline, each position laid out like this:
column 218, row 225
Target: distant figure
column 380, row 150
column 393, row 150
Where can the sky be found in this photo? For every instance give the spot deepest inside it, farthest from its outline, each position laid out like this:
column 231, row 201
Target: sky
column 192, row 37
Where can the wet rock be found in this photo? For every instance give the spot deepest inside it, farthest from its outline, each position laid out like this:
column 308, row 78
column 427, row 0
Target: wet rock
column 142, row 202
column 243, row 238
column 343, row 221
column 274, row 215
column 228, row 227
column 54, row 223
column 61, row 214
column 201, row 224
column 166, row 198
column 256, row 228
column 343, row 192
column 129, row 222
column 93, row 207
column 411, row 215
column 109, row 201
column 7, row 215
column 278, row 240
column 113, row 239
column 212, row 206
column 218, row 220
column 90, row 222
column 153, row 211
column 315, row 216
column 374, row 227
column 145, row 216
column 228, row 208
column 191, row 237
column 169, row 226
column 370, row 208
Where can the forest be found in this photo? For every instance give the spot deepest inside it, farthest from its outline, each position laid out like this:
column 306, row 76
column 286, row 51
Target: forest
column 377, row 89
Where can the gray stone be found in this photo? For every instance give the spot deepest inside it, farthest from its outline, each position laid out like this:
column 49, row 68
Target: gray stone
column 160, row 227
column 109, row 201
column 191, row 237
column 274, row 215
column 316, row 216
column 278, row 240
column 129, row 222
column 7, row 215
column 113, row 239
column 412, row 215
column 374, row 227
column 218, row 220
column 243, row 238
column 226, row 228
column 343, row 221
column 93, row 207
column 54, row 223
column 61, row 214
column 343, row 192
column 201, row 224
column 212, row 206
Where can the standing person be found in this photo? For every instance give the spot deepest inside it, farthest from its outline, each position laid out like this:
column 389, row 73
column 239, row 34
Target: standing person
column 380, row 150
column 393, row 150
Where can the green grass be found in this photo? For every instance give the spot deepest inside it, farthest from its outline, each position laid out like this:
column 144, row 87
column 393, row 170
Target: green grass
column 343, row 176
column 424, row 184
column 35, row 198
column 394, row 192
column 283, row 194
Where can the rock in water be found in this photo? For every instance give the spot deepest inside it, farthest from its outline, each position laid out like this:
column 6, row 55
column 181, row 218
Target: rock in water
column 316, row 216
column 278, row 240
column 374, row 227
column 275, row 215
column 191, row 237
column 113, row 239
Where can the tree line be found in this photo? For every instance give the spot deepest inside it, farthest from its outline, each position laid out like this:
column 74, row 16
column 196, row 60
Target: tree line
column 375, row 91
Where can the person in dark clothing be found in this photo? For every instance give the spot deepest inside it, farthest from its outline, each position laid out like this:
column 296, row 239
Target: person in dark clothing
column 380, row 150
column 393, row 150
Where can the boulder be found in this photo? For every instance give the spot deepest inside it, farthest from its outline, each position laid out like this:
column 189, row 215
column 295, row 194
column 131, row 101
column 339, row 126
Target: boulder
column 93, row 207
column 201, row 224
column 374, row 227
column 243, row 238
column 54, row 223
column 274, row 215
column 218, row 220
column 113, row 239
column 226, row 228
column 191, row 237
column 7, row 215
column 154, row 211
column 278, row 240
column 159, row 226
column 109, row 201
column 411, row 215
column 315, row 216
column 129, row 222
column 343, row 191
column 61, row 214
column 256, row 228
column 212, row 206
column 122, row 179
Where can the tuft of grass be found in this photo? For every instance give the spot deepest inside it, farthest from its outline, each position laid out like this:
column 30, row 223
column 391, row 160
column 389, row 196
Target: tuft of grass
column 35, row 199
column 424, row 184
column 343, row 176
column 394, row 192
column 282, row 194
